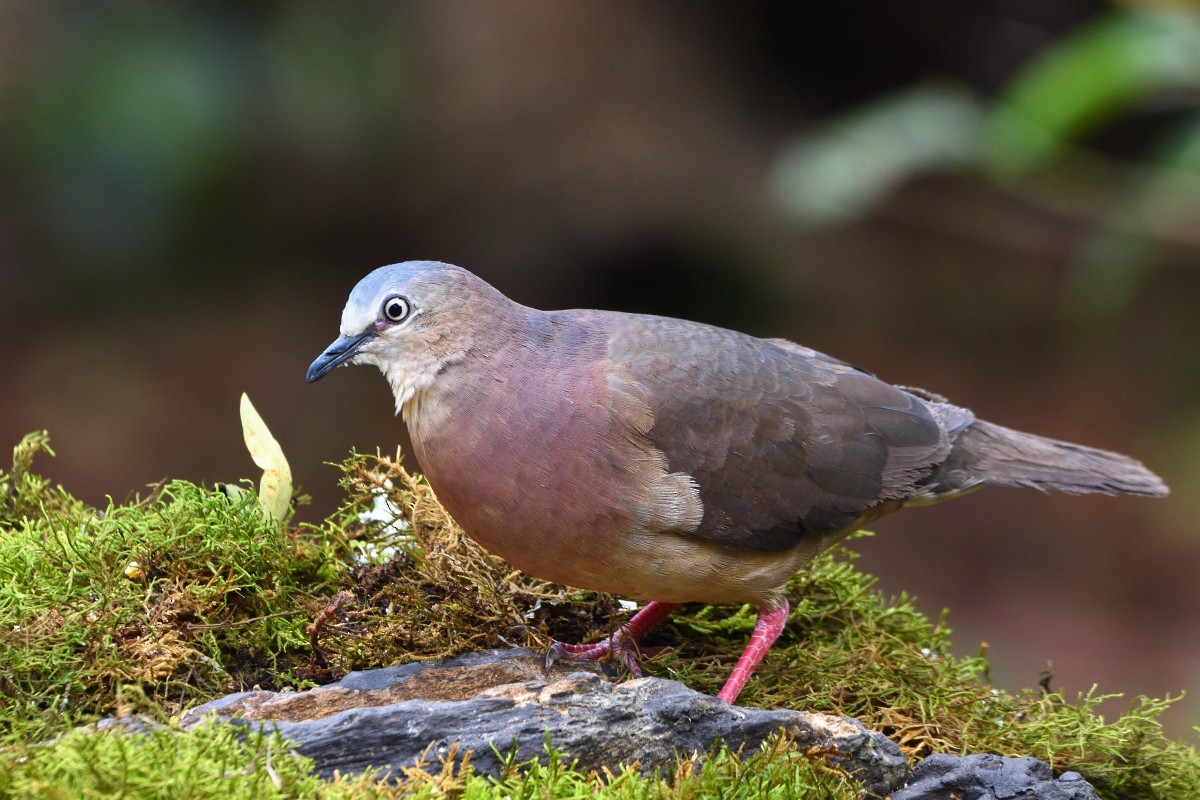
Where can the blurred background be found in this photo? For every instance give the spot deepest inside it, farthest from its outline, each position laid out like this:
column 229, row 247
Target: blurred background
column 998, row 201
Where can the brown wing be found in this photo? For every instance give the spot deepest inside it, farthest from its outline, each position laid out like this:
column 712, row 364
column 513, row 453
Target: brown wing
column 780, row 438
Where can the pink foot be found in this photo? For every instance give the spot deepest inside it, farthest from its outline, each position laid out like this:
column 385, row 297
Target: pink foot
column 767, row 627
column 623, row 643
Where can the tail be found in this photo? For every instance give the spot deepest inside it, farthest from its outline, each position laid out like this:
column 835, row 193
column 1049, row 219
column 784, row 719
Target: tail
column 983, row 453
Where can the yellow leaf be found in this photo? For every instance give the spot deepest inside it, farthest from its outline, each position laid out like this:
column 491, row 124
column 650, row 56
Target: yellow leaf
column 275, row 489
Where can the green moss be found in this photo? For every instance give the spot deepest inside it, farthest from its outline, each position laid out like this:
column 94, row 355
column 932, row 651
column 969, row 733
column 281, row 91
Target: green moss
column 849, row 651
column 222, row 598
column 775, row 770
column 211, row 761
column 185, row 594
column 221, row 762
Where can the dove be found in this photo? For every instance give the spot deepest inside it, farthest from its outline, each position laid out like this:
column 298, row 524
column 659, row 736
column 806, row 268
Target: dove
column 664, row 460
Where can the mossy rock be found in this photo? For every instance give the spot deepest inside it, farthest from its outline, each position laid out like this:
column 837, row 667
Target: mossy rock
column 161, row 603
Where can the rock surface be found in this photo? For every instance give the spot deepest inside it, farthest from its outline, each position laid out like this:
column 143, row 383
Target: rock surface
column 506, row 702
column 492, row 703
column 991, row 777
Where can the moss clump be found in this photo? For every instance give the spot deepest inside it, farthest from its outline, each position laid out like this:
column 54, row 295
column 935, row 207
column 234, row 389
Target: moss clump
column 223, row 597
column 210, row 761
column 182, row 595
column 849, row 651
column 167, row 601
column 222, row 763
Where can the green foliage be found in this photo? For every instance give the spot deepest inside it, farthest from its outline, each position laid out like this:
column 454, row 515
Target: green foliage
column 1074, row 87
column 843, row 170
column 163, row 107
column 1031, row 141
column 1106, row 65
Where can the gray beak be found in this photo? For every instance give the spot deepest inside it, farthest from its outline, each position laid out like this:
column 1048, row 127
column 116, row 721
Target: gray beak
column 337, row 353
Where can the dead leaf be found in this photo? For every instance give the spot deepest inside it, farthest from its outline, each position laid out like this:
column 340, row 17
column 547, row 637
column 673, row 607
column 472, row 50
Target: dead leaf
column 275, row 489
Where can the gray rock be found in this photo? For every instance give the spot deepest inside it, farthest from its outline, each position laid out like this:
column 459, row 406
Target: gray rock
column 503, row 702
column 991, row 777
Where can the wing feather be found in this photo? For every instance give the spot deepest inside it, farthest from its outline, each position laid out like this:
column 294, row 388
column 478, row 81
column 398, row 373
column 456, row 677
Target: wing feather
column 781, row 439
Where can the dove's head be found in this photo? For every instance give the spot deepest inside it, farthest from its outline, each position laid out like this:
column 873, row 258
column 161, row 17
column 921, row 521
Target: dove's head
column 413, row 320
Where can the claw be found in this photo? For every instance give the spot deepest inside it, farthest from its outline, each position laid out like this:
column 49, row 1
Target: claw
column 623, row 644
column 624, row 652
column 557, row 651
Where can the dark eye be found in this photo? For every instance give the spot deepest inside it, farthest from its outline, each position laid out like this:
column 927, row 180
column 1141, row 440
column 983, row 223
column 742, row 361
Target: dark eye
column 396, row 308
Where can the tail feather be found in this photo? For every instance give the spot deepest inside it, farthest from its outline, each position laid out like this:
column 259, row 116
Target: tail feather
column 984, row 453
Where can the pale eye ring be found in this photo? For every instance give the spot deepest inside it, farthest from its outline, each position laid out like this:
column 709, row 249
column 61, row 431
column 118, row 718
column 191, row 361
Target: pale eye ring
column 396, row 308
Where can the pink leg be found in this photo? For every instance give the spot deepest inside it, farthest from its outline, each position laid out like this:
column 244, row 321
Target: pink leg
column 620, row 642
column 767, row 627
